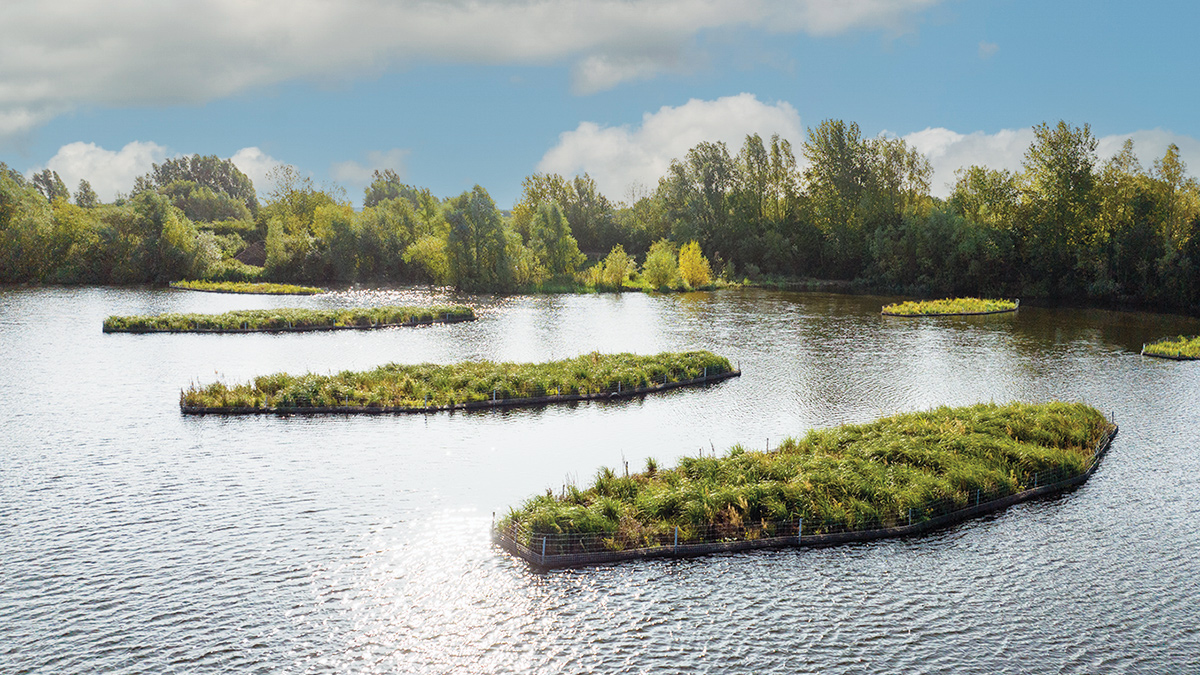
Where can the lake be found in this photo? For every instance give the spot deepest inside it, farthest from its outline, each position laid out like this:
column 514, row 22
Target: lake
column 134, row 539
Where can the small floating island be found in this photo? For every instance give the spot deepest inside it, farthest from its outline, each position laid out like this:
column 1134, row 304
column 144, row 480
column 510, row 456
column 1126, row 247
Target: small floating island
column 258, row 287
column 897, row 476
column 428, row 387
column 951, row 307
column 289, row 319
column 1179, row 348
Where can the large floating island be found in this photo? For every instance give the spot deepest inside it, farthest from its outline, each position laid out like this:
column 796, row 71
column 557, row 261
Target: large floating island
column 897, row 476
column 427, row 387
column 1179, row 348
column 289, row 319
column 951, row 307
column 257, row 287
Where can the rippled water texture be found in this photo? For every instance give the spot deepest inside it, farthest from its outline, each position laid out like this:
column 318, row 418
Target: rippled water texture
column 136, row 540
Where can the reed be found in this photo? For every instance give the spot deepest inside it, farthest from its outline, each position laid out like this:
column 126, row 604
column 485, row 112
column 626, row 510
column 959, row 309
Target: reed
column 262, row 288
column 427, row 385
column 283, row 319
column 1180, row 347
column 850, row 477
column 949, row 306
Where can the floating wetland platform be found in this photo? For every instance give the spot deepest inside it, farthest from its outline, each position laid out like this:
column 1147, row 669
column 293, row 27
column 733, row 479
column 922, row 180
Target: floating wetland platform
column 544, row 550
column 427, row 388
column 950, row 307
column 290, row 320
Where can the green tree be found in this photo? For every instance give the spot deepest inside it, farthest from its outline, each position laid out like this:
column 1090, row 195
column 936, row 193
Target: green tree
column 25, row 228
column 477, row 245
column 616, row 267
column 428, row 259
column 693, row 266
column 660, row 269
column 1179, row 197
column 50, row 185
column 1059, row 205
column 209, row 171
column 552, row 244
column 85, row 196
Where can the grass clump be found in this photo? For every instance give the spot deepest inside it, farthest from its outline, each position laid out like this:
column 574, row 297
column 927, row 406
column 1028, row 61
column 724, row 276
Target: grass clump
column 861, row 476
column 288, row 319
column 428, row 385
column 949, row 306
column 1180, row 347
column 263, row 288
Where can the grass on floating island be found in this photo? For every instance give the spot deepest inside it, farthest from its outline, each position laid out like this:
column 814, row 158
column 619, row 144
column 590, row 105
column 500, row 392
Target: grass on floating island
column 262, row 288
column 428, row 385
column 949, row 306
column 1182, row 348
column 860, row 476
column 287, row 319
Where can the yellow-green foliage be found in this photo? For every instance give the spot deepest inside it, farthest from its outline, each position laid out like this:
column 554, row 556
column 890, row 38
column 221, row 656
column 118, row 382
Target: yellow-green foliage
column 1178, row 347
column 427, row 384
column 661, row 268
column 287, row 317
column 950, row 306
column 850, row 476
column 693, row 266
column 247, row 287
column 617, row 267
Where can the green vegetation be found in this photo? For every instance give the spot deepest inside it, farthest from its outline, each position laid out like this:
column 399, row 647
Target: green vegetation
column 1068, row 225
column 434, row 386
column 288, row 319
column 949, row 306
column 1175, row 348
column 262, row 288
column 860, row 476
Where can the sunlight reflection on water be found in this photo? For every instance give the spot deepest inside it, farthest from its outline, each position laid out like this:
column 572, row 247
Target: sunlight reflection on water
column 137, row 540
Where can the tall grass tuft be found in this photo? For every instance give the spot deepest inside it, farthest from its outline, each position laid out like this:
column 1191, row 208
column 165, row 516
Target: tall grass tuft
column 287, row 318
column 429, row 385
column 850, row 477
column 258, row 287
column 949, row 306
column 1180, row 347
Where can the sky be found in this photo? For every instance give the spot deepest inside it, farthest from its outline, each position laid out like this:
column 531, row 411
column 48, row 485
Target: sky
column 454, row 93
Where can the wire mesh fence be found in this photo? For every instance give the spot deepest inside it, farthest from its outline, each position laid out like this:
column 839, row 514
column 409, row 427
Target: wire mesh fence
column 550, row 549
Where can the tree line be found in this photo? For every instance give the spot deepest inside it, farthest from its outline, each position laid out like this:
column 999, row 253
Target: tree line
column 1067, row 225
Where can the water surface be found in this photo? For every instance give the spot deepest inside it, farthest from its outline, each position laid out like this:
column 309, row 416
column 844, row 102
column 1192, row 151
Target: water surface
column 137, row 540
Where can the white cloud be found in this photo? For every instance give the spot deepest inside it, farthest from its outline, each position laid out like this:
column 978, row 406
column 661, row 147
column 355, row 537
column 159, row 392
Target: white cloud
column 256, row 164
column 108, row 171
column 622, row 157
column 357, row 175
column 988, row 49
column 1151, row 144
column 55, row 56
column 949, row 151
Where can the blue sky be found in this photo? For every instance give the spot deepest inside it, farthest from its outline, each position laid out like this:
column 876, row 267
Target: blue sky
column 455, row 93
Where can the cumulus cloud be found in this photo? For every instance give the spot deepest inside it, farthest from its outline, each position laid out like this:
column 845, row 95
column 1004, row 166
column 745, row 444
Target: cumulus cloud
column 108, row 171
column 356, row 174
column 257, row 165
column 623, row 157
column 949, row 151
column 55, row 56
